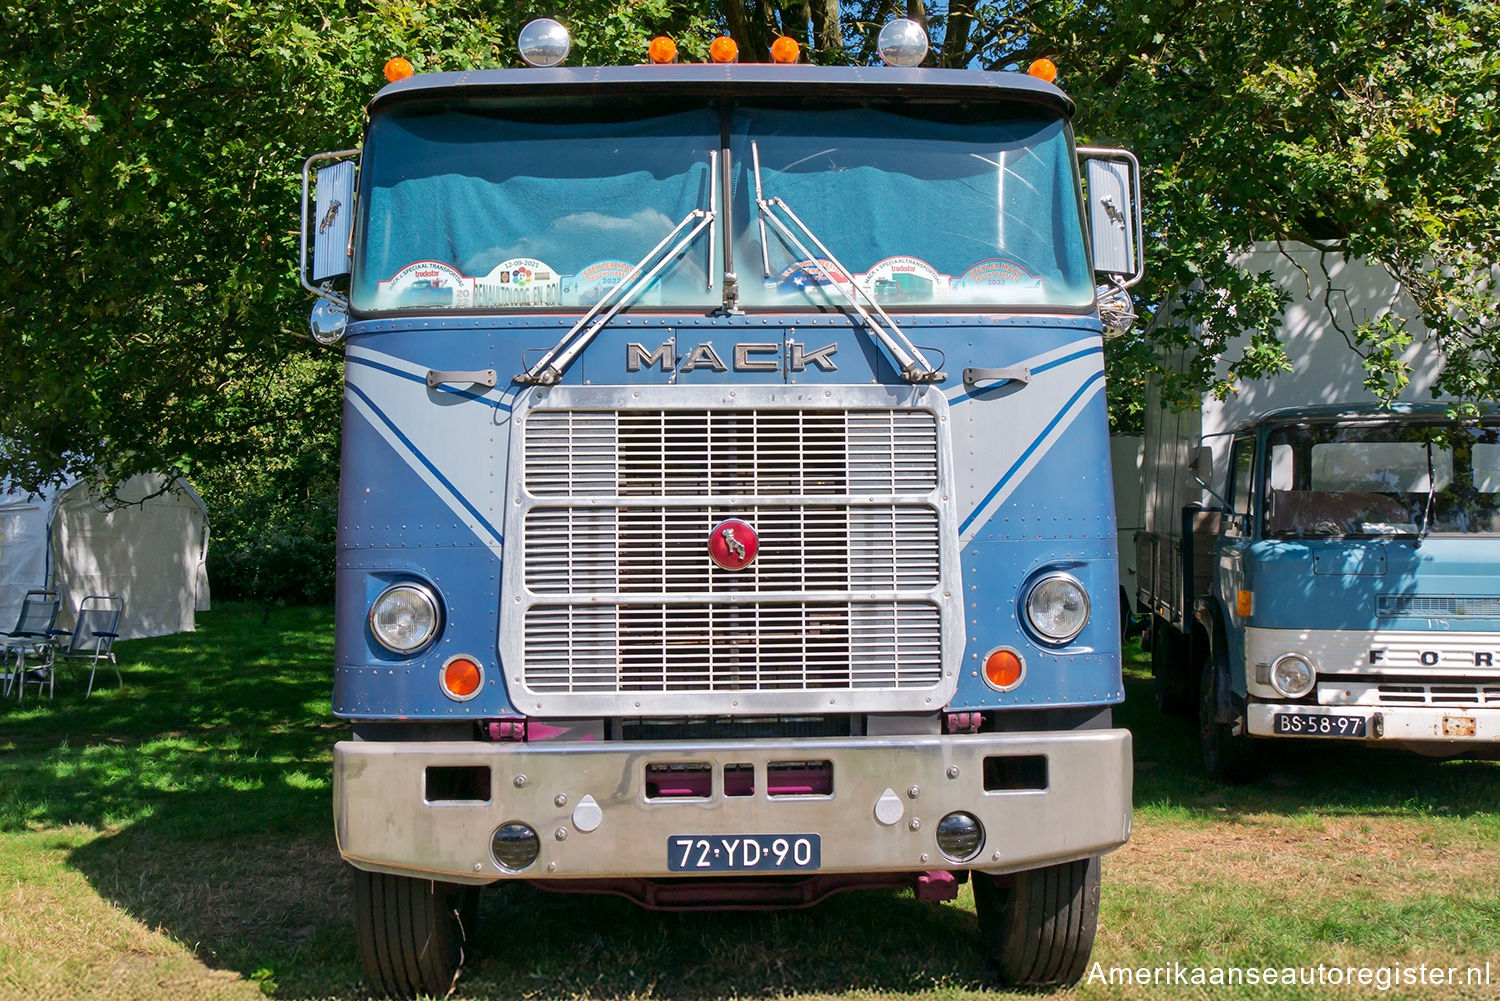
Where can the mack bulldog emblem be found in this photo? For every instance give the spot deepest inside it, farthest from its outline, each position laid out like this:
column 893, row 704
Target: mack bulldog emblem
column 733, row 544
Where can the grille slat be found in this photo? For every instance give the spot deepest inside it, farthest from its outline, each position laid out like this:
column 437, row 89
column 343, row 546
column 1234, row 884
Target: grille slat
column 619, row 594
column 1446, row 606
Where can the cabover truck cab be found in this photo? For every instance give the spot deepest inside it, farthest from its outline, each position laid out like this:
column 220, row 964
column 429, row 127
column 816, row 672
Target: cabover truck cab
column 1350, row 590
column 1324, row 570
column 726, row 509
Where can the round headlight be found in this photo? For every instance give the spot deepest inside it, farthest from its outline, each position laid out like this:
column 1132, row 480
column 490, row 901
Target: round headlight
column 404, row 617
column 902, row 42
column 515, row 846
column 1292, row 676
column 1057, row 607
column 544, row 43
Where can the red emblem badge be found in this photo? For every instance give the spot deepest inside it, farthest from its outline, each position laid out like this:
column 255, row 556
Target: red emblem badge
column 733, row 544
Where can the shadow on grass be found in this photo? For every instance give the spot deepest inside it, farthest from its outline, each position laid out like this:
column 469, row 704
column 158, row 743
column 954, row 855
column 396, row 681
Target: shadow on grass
column 1321, row 777
column 210, row 773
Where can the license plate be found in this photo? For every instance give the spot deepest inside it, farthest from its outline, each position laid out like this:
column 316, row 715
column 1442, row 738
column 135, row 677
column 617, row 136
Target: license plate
column 744, row 852
column 1319, row 725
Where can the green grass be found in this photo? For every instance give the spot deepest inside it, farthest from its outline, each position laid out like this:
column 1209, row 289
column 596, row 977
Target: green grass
column 173, row 839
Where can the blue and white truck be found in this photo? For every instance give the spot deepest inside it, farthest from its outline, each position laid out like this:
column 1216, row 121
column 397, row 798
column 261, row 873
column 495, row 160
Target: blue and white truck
column 726, row 507
column 1317, row 565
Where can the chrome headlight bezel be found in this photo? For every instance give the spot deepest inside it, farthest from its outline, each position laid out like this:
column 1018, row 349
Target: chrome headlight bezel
column 424, row 603
column 1040, row 591
column 1292, row 693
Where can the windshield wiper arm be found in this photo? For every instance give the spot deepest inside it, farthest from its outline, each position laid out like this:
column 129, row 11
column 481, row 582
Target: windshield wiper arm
column 913, row 365
column 549, row 370
column 1431, row 492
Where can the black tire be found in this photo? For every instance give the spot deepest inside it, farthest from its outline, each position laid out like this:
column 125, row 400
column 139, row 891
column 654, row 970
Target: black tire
column 1037, row 927
column 1228, row 757
column 1171, row 677
column 411, row 933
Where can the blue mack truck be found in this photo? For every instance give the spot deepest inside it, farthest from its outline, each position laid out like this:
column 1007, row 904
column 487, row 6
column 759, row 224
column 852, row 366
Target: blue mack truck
column 673, row 561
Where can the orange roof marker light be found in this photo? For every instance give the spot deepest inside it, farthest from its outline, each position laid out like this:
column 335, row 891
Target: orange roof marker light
column 785, row 50
column 662, row 50
column 723, row 50
column 1043, row 69
column 544, row 43
column 398, row 69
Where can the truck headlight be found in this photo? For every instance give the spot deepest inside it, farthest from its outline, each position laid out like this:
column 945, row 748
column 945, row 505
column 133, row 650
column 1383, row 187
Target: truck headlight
column 1292, row 676
column 404, row 617
column 1057, row 607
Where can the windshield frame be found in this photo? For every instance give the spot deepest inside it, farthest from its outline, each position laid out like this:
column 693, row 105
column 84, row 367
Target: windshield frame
column 649, row 103
column 1420, row 525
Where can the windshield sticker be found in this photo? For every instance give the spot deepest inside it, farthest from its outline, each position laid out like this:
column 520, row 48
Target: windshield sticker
column 809, row 273
column 897, row 280
column 426, row 283
column 520, row 281
column 593, row 282
column 998, row 272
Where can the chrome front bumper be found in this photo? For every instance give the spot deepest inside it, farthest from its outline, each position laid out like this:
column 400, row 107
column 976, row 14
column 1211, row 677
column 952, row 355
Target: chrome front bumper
column 1075, row 805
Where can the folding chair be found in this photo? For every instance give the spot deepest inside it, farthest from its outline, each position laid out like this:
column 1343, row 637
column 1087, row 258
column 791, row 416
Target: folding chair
column 93, row 636
column 32, row 635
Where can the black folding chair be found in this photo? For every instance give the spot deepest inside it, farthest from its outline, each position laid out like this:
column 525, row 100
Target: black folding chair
column 93, row 637
column 32, row 635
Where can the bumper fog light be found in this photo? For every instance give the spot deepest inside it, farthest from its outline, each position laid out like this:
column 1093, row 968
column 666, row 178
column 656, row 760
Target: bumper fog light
column 959, row 837
column 515, row 847
column 1292, row 676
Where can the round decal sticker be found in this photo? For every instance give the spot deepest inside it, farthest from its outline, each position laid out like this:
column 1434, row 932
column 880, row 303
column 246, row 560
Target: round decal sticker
column 520, row 281
column 997, row 272
column 594, row 282
column 898, row 280
column 426, row 283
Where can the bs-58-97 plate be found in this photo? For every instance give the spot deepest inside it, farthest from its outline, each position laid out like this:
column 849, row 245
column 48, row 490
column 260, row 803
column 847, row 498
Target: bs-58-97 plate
column 1319, row 725
column 744, row 852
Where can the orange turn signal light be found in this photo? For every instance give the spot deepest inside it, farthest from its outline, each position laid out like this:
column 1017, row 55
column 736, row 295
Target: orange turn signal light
column 398, row 69
column 662, row 50
column 1244, row 603
column 723, row 50
column 785, row 50
column 1043, row 69
column 1003, row 669
column 462, row 677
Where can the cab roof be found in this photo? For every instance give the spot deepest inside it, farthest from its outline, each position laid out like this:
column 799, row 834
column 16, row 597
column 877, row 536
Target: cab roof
column 737, row 80
column 1332, row 412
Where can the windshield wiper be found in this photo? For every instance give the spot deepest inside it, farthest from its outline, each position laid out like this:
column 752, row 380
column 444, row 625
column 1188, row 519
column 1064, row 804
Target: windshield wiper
column 913, row 365
column 1431, row 492
column 549, row 370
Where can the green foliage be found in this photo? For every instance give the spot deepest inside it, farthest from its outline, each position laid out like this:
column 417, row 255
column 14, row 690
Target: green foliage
column 150, row 314
column 1367, row 129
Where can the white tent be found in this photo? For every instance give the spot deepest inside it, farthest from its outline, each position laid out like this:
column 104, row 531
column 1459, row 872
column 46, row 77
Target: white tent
column 146, row 546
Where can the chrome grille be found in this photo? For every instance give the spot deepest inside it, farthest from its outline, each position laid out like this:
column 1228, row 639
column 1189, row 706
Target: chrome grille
column 611, row 592
column 1443, row 606
column 1408, row 693
column 763, row 647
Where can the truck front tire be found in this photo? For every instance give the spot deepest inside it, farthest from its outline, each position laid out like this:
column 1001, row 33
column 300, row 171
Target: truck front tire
column 1227, row 756
column 1171, row 675
column 411, row 932
column 1037, row 927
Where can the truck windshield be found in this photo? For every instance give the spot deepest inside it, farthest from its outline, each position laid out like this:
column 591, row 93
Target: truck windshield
column 1363, row 480
column 528, row 208
column 921, row 211
column 502, row 205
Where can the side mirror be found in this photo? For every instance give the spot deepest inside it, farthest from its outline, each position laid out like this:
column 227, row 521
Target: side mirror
column 1112, row 183
column 330, row 226
column 1203, row 464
